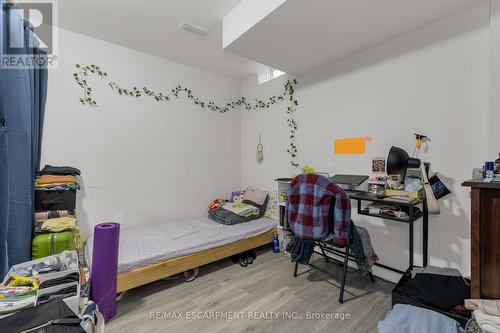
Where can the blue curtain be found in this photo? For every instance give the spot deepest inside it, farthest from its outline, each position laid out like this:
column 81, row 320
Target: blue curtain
column 4, row 157
column 39, row 95
column 22, row 99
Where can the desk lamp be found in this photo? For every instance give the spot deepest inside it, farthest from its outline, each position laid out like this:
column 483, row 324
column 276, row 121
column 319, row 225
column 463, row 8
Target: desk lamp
column 398, row 161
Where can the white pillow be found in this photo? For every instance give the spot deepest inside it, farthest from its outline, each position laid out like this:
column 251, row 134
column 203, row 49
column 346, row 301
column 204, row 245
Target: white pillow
column 257, row 196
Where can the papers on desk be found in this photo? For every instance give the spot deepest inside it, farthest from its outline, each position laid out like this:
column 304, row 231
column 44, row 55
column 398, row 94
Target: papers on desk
column 401, row 199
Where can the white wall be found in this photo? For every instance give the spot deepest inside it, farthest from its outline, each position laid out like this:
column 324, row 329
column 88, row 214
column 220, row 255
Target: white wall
column 149, row 161
column 494, row 80
column 433, row 81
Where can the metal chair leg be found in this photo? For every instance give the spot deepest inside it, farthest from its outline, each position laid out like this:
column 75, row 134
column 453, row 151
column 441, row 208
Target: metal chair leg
column 344, row 274
column 295, row 269
column 323, row 251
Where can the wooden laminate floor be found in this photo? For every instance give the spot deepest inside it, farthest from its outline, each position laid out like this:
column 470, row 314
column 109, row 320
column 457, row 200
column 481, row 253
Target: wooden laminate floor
column 263, row 297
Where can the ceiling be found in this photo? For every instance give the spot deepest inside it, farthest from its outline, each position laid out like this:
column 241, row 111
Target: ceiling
column 151, row 26
column 299, row 36
column 295, row 37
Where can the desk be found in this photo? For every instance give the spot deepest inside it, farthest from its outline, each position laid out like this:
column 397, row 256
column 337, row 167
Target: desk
column 413, row 215
column 364, row 197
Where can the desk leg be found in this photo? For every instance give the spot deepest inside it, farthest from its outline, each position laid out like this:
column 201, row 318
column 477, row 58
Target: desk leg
column 410, row 247
column 425, row 235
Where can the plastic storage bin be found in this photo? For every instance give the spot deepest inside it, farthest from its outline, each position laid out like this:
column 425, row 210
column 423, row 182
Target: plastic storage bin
column 57, row 271
column 55, row 200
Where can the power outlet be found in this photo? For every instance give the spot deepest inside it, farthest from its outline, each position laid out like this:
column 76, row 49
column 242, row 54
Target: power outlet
column 118, row 218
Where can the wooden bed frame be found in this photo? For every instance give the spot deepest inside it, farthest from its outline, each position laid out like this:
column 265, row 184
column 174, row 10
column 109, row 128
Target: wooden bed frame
column 163, row 269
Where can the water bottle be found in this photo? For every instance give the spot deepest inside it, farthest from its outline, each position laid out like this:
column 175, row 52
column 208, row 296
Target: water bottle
column 276, row 244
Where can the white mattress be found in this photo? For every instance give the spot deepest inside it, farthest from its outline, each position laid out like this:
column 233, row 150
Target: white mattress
column 147, row 244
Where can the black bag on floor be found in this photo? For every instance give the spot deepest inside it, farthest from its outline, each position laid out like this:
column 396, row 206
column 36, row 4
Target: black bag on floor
column 438, row 293
column 51, row 317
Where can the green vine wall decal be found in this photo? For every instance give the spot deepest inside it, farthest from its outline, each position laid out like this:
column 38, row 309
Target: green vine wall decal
column 288, row 95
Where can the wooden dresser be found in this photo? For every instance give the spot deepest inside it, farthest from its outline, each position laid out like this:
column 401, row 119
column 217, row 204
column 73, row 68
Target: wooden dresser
column 485, row 239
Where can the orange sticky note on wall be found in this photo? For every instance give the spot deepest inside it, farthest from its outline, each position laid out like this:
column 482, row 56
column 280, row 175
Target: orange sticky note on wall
column 350, row 146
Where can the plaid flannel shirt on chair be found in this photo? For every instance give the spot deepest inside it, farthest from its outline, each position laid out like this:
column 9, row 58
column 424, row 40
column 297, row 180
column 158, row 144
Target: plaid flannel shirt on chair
column 308, row 207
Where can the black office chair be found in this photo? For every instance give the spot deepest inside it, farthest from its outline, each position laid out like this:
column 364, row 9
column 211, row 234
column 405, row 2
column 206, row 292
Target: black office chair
column 325, row 245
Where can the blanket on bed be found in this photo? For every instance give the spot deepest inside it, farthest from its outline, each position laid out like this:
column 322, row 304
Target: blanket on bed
column 223, row 216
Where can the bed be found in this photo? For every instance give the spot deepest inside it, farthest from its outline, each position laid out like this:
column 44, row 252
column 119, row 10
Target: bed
column 155, row 251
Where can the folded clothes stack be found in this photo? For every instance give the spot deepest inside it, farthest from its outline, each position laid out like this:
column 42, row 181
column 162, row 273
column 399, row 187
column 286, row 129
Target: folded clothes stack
column 55, row 189
column 41, row 217
column 241, row 209
column 57, row 179
column 56, row 227
column 243, row 206
column 486, row 313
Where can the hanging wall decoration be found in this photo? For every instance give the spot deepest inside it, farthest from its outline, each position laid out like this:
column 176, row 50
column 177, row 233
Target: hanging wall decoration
column 288, row 95
column 260, row 150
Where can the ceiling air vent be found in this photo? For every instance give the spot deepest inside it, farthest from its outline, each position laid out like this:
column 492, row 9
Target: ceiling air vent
column 193, row 28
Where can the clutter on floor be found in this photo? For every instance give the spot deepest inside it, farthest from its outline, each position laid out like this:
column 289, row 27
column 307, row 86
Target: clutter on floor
column 32, row 290
column 412, row 319
column 473, row 327
column 486, row 313
column 442, row 290
column 53, row 316
column 244, row 259
column 49, row 276
column 191, row 275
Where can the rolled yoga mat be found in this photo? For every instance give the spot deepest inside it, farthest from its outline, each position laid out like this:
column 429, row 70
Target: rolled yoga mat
column 105, row 268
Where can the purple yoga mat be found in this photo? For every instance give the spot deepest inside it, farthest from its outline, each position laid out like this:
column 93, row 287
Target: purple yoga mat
column 105, row 268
